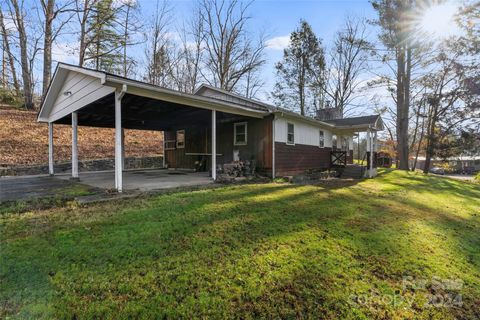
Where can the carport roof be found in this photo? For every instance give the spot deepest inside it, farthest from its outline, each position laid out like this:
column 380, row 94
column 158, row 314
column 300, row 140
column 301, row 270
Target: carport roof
column 62, row 99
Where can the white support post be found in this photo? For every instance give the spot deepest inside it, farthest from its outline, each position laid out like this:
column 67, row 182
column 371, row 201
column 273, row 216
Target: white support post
column 214, row 145
column 273, row 147
column 118, row 142
column 123, row 149
column 74, row 145
column 370, row 169
column 50, row 149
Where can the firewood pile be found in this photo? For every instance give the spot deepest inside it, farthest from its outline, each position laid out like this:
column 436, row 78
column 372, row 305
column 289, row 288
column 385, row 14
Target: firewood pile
column 239, row 168
column 236, row 171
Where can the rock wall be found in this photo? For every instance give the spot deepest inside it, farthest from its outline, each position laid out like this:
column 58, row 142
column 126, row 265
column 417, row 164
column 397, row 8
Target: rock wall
column 84, row 165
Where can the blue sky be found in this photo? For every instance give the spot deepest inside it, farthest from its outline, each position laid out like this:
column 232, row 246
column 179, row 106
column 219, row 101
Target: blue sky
column 277, row 17
column 280, row 17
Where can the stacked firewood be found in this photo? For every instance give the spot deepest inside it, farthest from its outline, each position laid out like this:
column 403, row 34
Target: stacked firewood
column 239, row 168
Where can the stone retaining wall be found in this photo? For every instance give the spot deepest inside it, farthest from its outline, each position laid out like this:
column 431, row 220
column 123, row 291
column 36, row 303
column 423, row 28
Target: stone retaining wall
column 84, row 165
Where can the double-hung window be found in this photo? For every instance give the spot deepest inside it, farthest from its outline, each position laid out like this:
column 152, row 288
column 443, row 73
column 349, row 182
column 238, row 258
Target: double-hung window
column 180, row 139
column 240, row 134
column 321, row 141
column 290, row 133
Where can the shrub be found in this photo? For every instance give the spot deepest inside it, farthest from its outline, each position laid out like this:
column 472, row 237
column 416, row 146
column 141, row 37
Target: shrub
column 9, row 97
column 477, row 177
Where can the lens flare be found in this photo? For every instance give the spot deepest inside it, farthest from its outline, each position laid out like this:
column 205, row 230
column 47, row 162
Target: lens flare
column 438, row 20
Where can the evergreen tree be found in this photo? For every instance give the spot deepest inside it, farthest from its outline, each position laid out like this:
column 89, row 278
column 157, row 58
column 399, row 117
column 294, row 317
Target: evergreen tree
column 300, row 74
column 105, row 42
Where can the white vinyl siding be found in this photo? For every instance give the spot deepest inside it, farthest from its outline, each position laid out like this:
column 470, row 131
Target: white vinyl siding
column 77, row 91
column 305, row 133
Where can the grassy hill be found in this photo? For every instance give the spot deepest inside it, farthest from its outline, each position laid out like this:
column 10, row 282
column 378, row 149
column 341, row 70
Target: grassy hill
column 24, row 141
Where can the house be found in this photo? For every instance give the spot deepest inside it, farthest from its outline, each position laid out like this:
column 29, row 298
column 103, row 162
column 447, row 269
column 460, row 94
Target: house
column 209, row 128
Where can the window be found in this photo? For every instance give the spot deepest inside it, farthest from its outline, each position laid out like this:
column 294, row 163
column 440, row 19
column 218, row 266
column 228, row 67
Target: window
column 240, row 134
column 180, row 139
column 334, row 141
column 321, row 142
column 290, row 133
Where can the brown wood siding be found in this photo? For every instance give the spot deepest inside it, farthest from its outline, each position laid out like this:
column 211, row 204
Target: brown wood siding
column 292, row 159
column 198, row 140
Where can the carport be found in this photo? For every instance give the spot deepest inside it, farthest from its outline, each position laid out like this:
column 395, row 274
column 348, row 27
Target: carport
column 84, row 97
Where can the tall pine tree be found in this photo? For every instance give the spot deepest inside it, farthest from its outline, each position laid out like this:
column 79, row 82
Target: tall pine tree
column 300, row 74
column 105, row 42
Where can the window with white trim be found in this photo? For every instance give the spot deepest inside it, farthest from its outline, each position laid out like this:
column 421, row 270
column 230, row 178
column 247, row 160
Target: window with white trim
column 290, row 133
column 240, row 134
column 180, row 139
column 321, row 141
column 334, row 141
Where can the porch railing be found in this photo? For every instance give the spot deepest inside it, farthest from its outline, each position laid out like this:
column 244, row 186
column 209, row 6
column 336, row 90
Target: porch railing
column 338, row 158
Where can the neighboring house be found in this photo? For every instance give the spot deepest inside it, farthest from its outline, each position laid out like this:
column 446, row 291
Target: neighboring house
column 196, row 126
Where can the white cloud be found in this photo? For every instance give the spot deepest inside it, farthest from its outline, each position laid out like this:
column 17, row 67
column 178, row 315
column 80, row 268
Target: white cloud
column 278, row 43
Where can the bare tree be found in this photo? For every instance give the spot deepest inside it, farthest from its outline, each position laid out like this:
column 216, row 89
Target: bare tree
column 18, row 13
column 131, row 25
column 52, row 11
column 230, row 52
column 7, row 50
column 348, row 59
column 187, row 69
column 158, row 52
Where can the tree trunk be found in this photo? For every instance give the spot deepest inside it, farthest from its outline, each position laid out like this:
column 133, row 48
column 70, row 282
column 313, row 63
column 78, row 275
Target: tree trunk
column 47, row 46
column 403, row 96
column 11, row 60
column 26, row 72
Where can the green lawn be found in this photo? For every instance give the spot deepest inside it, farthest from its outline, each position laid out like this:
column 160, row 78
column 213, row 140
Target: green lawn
column 249, row 251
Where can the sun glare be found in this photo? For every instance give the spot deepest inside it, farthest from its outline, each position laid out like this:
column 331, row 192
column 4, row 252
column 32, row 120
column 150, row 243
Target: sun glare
column 438, row 21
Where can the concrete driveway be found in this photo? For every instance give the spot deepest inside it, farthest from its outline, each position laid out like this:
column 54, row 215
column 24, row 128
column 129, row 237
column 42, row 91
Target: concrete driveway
column 144, row 180
column 30, row 187
column 463, row 177
column 42, row 186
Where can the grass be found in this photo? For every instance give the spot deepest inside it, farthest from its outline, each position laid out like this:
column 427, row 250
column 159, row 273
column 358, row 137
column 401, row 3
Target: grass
column 63, row 196
column 338, row 250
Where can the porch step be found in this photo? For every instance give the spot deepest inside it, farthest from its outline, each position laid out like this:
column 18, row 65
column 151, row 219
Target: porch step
column 353, row 171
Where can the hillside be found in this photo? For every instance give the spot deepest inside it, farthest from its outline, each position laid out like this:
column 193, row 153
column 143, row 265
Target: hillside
column 24, row 141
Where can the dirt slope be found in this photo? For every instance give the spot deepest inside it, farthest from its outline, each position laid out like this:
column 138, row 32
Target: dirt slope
column 24, row 141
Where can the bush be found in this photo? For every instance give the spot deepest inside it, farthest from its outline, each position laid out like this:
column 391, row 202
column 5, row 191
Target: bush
column 9, row 97
column 477, row 177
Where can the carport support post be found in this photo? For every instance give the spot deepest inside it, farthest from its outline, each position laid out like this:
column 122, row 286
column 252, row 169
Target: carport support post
column 214, row 145
column 74, row 145
column 118, row 142
column 50, row 149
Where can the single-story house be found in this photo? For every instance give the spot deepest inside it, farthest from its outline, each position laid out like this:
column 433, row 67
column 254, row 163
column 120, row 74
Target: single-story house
column 210, row 126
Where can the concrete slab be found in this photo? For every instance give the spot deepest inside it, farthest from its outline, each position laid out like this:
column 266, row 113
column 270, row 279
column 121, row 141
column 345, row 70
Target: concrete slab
column 144, row 180
column 29, row 187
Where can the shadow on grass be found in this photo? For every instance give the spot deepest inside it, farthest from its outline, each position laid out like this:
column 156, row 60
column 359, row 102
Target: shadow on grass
column 267, row 250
